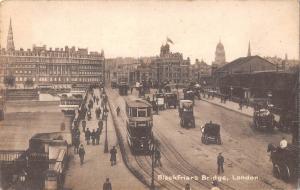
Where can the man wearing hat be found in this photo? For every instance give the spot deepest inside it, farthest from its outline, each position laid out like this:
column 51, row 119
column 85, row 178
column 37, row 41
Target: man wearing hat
column 220, row 161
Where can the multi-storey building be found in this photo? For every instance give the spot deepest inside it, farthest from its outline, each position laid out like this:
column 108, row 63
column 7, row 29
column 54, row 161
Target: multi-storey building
column 170, row 67
column 199, row 70
column 58, row 67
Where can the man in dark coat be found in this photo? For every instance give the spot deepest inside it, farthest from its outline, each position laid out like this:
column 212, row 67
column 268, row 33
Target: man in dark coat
column 98, row 133
column 100, row 124
column 87, row 136
column 93, row 135
column 113, row 156
column 157, row 158
column 76, row 145
column 81, row 154
column 107, row 185
column 220, row 161
column 83, row 124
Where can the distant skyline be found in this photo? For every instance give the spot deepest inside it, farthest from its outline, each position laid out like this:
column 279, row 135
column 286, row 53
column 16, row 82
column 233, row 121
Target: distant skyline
column 139, row 28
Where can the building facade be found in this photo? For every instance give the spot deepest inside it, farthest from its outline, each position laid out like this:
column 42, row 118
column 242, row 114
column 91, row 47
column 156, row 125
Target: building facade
column 199, row 70
column 59, row 67
column 170, row 67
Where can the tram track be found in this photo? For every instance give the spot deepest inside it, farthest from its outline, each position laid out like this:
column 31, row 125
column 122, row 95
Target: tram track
column 146, row 166
column 186, row 167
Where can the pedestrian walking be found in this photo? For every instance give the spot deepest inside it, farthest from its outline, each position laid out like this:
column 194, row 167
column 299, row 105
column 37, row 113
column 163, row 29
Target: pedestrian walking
column 100, row 125
column 157, row 157
column 187, row 187
column 107, row 185
column 76, row 145
column 87, row 136
column 118, row 111
column 97, row 100
column 83, row 124
column 81, row 154
column 98, row 133
column 93, row 135
column 131, row 89
column 113, row 156
column 220, row 161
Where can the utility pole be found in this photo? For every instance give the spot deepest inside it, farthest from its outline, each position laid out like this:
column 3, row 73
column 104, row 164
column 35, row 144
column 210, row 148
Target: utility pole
column 153, row 151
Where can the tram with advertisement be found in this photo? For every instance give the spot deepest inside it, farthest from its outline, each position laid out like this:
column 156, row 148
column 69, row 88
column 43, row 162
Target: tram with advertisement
column 139, row 126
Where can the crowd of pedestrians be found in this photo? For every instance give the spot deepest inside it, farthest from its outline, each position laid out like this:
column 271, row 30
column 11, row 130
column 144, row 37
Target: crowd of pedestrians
column 91, row 135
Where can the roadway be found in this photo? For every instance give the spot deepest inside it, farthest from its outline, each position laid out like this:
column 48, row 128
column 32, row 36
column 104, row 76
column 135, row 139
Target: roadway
column 243, row 148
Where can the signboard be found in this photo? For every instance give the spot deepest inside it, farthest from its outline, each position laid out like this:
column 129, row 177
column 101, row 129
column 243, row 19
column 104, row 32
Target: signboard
column 160, row 101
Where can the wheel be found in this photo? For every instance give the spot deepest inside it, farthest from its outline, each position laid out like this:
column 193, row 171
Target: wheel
column 276, row 171
column 205, row 140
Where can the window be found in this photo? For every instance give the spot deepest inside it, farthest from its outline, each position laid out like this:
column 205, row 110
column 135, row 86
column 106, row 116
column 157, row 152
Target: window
column 142, row 113
column 134, row 112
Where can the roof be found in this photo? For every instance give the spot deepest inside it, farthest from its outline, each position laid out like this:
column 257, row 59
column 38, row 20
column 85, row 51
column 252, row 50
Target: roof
column 245, row 60
column 138, row 103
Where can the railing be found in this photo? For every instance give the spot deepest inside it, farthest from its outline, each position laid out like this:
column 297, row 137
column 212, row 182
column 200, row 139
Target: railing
column 11, row 155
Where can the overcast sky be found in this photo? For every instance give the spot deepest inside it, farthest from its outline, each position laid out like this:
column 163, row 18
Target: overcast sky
column 134, row 28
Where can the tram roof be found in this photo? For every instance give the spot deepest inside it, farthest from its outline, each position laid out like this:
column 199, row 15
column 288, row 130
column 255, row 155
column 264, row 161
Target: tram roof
column 138, row 103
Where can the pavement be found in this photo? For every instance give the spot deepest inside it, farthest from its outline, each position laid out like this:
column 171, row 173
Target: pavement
column 248, row 111
column 233, row 106
column 96, row 168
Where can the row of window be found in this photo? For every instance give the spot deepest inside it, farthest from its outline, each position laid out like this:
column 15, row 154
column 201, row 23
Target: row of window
column 57, row 79
column 21, row 71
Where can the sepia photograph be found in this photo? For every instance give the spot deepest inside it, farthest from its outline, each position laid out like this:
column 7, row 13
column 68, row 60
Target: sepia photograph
column 149, row 95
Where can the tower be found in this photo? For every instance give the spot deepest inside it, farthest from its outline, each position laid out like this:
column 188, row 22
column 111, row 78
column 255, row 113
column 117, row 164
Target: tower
column 10, row 46
column 249, row 50
column 220, row 54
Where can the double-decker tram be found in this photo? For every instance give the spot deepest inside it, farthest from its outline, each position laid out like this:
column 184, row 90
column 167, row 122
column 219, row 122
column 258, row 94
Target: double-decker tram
column 139, row 125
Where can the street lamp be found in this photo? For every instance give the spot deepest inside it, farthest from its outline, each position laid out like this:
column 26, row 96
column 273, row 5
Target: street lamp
column 105, row 116
column 231, row 89
column 153, row 151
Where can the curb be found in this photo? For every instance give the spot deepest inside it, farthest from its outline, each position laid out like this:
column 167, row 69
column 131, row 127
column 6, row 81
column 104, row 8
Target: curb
column 227, row 108
column 122, row 148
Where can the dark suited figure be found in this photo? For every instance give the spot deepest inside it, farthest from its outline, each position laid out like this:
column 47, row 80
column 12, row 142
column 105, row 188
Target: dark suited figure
column 157, row 158
column 107, row 185
column 87, row 136
column 81, row 154
column 113, row 156
column 93, row 135
column 220, row 161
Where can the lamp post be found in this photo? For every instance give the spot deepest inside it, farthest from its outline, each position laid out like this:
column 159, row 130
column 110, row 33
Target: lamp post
column 231, row 89
column 153, row 151
column 105, row 116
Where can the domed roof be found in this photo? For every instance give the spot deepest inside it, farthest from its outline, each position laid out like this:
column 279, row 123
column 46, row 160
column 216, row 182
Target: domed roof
column 220, row 46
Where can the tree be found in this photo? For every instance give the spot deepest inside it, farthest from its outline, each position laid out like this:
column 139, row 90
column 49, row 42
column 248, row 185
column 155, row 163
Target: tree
column 29, row 82
column 9, row 80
